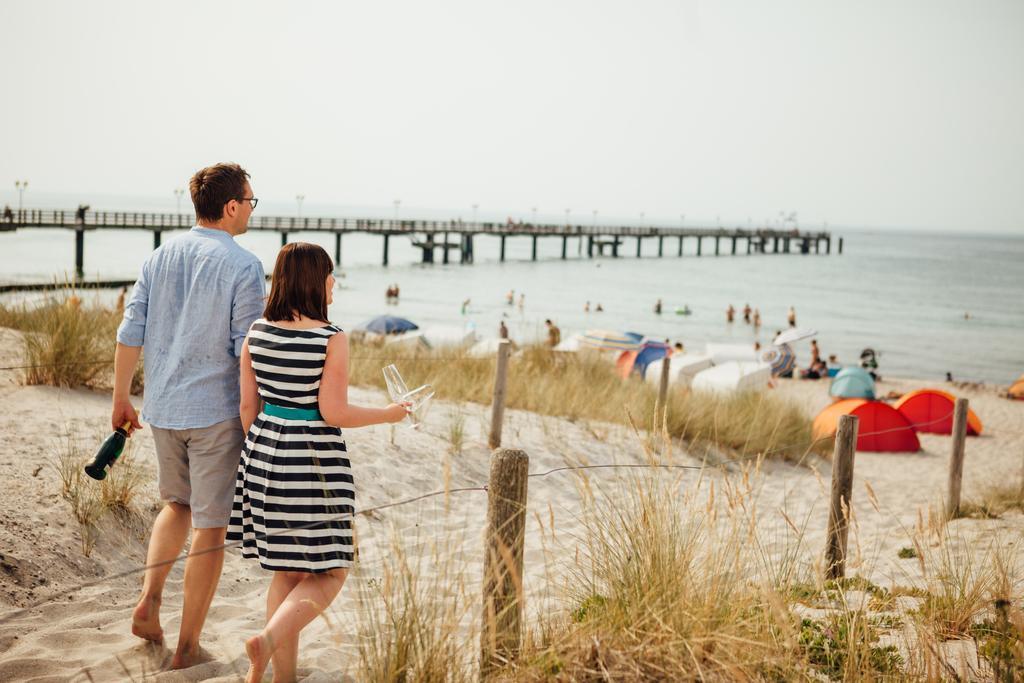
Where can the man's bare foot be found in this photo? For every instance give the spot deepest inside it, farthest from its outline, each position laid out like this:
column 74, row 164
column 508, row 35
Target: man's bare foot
column 146, row 620
column 187, row 655
column 259, row 656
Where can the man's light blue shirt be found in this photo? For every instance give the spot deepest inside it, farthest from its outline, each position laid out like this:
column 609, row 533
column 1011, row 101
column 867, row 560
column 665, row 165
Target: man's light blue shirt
column 191, row 308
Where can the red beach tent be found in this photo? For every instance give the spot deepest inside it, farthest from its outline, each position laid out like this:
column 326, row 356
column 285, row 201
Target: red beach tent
column 931, row 410
column 881, row 427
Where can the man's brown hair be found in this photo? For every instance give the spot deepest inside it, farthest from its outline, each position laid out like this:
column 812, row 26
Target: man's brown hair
column 214, row 186
column 299, row 283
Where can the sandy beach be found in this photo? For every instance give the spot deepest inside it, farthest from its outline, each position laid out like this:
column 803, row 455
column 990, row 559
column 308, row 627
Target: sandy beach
column 83, row 635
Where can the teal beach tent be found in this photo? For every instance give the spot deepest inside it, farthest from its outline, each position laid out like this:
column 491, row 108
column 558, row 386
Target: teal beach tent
column 853, row 382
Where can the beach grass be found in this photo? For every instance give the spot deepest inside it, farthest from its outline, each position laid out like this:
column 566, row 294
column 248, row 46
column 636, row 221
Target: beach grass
column 585, row 387
column 993, row 500
column 67, row 343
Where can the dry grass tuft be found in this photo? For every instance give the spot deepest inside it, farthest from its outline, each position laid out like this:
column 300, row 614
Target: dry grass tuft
column 81, row 492
column 73, row 343
column 411, row 620
column 994, row 500
column 91, row 500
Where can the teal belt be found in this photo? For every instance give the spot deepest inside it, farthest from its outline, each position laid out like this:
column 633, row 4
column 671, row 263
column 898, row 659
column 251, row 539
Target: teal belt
column 292, row 413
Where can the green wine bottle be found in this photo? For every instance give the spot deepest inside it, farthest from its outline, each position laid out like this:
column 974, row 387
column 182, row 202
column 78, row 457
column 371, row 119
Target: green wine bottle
column 108, row 452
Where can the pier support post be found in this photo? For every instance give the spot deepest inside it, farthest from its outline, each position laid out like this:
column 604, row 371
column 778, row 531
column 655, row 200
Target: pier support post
column 284, row 238
column 840, row 245
column 428, row 249
column 700, row 243
column 639, row 246
column 661, row 246
column 785, row 245
column 386, row 238
column 734, row 245
column 444, row 258
column 501, row 250
column 533, row 252
column 717, row 240
column 156, row 240
column 565, row 244
column 775, row 244
column 590, row 246
column 337, row 250
column 615, row 247
column 680, row 245
column 828, row 245
column 749, row 240
column 80, row 253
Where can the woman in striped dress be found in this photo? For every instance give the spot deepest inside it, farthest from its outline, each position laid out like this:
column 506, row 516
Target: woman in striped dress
column 294, row 494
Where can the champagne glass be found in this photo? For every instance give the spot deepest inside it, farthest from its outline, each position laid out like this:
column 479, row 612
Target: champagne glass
column 396, row 385
column 419, row 398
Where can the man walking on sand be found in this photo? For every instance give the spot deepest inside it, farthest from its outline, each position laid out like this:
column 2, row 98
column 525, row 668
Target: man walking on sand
column 191, row 308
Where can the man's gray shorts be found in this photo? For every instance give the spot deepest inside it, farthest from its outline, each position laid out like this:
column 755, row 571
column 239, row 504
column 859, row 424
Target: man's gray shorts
column 197, row 467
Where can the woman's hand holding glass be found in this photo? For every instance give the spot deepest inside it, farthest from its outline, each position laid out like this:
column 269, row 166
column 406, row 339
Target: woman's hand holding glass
column 396, row 412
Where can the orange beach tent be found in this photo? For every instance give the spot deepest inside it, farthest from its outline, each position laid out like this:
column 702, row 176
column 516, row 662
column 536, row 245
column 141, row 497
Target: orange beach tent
column 931, row 410
column 881, row 427
column 1017, row 390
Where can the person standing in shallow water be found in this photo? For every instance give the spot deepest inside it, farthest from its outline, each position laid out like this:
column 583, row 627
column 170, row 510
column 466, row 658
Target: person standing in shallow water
column 294, row 493
column 194, row 300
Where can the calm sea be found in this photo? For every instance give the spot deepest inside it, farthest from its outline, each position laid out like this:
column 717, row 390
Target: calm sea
column 904, row 294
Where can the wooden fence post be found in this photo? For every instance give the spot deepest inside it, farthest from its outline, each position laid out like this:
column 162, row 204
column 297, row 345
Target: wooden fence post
column 500, row 386
column 503, row 560
column 956, row 461
column 842, row 488
column 663, row 386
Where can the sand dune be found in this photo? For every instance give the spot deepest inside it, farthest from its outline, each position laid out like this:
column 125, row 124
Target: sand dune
column 84, row 635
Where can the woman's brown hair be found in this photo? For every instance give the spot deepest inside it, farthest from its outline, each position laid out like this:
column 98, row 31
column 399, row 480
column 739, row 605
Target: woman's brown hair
column 299, row 283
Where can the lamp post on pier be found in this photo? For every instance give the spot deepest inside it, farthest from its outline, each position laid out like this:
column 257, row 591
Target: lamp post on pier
column 299, row 198
column 178, row 194
column 20, row 186
column 475, row 207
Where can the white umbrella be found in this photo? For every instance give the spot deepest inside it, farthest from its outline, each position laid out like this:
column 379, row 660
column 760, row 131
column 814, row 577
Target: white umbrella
column 794, row 335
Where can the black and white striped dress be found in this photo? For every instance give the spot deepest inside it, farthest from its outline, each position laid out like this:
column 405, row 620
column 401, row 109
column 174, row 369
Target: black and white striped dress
column 294, row 479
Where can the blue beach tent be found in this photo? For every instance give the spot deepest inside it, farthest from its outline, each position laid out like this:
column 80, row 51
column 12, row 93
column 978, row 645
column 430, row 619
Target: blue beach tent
column 649, row 352
column 853, row 382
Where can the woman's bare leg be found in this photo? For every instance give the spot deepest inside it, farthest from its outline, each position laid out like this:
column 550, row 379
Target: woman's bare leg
column 285, row 656
column 303, row 604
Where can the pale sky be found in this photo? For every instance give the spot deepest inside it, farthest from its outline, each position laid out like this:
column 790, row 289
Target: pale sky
column 863, row 114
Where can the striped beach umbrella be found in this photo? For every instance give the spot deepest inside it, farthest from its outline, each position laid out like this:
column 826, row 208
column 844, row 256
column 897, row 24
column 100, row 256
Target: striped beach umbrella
column 607, row 340
column 781, row 358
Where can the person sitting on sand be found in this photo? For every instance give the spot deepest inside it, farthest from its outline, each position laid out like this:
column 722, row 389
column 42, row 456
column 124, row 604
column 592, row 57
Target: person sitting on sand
column 817, row 370
column 502, row 330
column 192, row 305
column 746, row 313
column 294, row 494
column 657, row 307
column 554, row 334
column 791, row 317
column 599, row 308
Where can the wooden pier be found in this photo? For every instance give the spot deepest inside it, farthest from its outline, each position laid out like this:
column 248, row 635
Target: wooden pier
column 448, row 236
